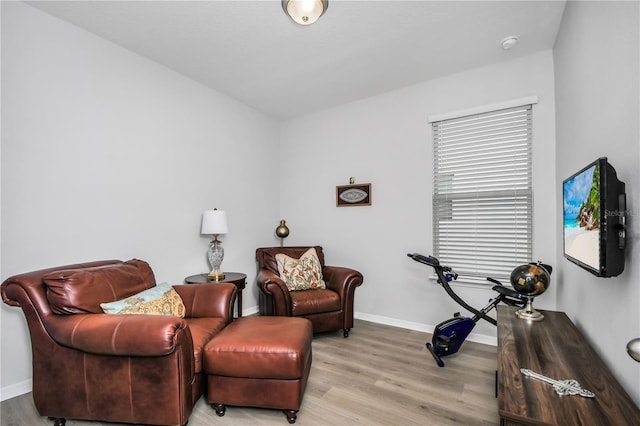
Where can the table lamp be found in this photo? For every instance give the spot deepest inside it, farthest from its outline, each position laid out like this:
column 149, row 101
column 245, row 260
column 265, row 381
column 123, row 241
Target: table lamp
column 214, row 222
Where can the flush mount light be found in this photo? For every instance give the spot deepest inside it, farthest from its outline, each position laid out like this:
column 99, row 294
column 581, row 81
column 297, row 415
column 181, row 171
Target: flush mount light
column 508, row 42
column 305, row 12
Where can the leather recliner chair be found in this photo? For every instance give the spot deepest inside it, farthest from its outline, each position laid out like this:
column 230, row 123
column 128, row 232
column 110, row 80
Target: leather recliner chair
column 115, row 368
column 328, row 309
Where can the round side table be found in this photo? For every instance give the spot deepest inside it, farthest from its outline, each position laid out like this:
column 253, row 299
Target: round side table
column 237, row 278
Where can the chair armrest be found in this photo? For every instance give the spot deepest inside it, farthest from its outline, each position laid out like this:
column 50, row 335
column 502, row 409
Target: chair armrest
column 342, row 280
column 271, row 284
column 120, row 335
column 208, row 300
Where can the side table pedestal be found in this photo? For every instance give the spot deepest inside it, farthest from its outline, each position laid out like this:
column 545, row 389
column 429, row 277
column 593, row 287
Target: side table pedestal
column 237, row 278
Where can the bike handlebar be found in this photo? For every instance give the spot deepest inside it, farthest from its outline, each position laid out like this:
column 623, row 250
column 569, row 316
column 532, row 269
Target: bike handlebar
column 446, row 274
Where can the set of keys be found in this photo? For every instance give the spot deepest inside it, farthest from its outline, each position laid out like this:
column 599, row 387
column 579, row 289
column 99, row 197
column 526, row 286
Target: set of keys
column 562, row 387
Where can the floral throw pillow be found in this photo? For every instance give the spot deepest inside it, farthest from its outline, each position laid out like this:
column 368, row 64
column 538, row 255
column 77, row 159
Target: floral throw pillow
column 159, row 300
column 301, row 274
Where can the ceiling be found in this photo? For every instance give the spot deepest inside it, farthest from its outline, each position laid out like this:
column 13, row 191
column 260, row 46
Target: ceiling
column 252, row 52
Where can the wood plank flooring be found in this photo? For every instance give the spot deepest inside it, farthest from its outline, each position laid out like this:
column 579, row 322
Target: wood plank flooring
column 380, row 375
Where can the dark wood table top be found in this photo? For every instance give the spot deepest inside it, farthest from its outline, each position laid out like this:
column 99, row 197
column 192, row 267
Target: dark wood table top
column 237, row 278
column 555, row 348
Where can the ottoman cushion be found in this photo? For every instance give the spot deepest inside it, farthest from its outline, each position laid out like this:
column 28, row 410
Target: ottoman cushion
column 260, row 348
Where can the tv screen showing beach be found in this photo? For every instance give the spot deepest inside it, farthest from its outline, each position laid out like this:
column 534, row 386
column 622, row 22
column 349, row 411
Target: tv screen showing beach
column 581, row 195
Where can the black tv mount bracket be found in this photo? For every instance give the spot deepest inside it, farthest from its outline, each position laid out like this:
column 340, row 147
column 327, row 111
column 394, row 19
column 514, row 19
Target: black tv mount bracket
column 622, row 221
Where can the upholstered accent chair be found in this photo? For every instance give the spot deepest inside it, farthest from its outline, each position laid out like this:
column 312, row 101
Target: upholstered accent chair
column 124, row 368
column 325, row 297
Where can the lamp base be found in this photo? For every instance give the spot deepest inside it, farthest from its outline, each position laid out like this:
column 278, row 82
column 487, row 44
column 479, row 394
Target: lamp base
column 215, row 276
column 215, row 254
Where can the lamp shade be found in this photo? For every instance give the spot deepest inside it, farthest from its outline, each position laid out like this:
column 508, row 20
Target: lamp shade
column 305, row 12
column 214, row 222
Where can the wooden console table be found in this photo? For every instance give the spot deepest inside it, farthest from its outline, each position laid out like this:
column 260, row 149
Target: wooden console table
column 555, row 348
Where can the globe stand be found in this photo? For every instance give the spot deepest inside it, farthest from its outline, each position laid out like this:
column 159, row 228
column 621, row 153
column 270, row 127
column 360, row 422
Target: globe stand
column 528, row 313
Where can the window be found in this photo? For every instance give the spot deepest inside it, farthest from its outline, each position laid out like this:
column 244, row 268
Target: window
column 482, row 194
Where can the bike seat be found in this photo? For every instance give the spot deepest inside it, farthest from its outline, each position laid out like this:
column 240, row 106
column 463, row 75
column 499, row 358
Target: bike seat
column 507, row 292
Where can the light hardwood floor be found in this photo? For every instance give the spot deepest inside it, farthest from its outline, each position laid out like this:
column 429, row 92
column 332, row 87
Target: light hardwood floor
column 380, row 375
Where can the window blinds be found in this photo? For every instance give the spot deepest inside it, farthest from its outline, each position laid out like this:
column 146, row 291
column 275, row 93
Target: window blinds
column 482, row 196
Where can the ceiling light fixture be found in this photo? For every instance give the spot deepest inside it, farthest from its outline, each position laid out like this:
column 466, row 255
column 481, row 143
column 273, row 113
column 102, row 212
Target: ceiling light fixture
column 508, row 42
column 305, row 12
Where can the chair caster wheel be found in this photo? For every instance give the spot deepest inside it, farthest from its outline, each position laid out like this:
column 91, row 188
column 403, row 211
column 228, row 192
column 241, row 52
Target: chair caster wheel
column 291, row 416
column 220, row 409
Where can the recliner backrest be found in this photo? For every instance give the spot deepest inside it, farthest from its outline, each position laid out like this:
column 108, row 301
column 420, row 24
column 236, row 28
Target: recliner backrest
column 266, row 256
column 80, row 291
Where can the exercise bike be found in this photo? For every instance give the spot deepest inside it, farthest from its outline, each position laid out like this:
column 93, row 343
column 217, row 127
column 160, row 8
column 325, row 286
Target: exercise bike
column 449, row 335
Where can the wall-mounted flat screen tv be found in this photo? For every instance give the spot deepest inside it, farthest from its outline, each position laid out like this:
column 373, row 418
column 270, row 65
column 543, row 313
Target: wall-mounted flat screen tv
column 594, row 204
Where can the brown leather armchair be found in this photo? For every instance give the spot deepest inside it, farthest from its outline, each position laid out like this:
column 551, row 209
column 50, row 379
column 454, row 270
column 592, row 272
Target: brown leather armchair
column 115, row 368
column 328, row 309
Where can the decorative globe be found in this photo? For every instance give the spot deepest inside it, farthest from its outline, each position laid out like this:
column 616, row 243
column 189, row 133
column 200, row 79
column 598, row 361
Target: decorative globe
column 531, row 279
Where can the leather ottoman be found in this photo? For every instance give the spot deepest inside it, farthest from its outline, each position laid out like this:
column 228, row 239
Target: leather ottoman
column 259, row 362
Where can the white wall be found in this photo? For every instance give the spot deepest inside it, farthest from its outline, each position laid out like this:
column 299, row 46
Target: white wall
column 386, row 140
column 597, row 97
column 108, row 155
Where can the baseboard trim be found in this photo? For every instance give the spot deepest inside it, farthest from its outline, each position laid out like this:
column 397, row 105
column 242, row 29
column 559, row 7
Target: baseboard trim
column 249, row 312
column 425, row 328
column 16, row 389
